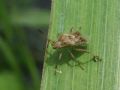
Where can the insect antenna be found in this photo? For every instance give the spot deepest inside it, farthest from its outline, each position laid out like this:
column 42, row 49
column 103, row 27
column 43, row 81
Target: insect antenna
column 50, row 41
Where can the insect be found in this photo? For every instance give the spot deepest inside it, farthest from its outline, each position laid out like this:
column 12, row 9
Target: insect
column 72, row 40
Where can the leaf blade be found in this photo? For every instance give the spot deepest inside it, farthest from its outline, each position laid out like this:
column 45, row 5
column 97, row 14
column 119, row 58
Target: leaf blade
column 99, row 22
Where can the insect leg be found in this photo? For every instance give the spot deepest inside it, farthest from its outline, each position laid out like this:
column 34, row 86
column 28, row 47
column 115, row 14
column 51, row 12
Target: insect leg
column 95, row 58
column 60, row 56
column 73, row 58
column 56, row 70
column 81, row 50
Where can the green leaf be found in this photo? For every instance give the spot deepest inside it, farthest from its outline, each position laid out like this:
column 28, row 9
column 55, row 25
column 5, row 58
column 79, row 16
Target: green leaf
column 7, row 52
column 99, row 20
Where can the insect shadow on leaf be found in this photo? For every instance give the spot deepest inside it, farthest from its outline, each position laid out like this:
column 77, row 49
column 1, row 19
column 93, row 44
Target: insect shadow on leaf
column 68, row 47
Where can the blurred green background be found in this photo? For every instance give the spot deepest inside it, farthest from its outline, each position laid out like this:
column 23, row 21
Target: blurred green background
column 23, row 34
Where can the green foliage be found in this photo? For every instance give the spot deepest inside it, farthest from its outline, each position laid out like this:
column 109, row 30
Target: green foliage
column 32, row 17
column 99, row 20
column 5, row 81
column 14, row 51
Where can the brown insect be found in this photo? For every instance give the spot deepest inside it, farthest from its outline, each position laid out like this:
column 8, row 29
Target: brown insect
column 71, row 40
